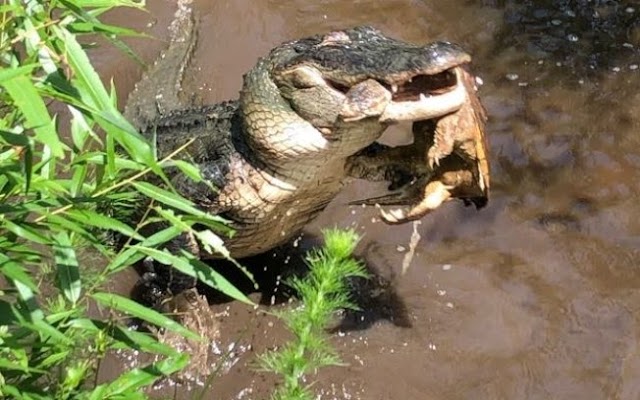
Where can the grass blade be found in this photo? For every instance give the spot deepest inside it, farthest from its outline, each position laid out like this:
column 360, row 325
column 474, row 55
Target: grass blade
column 132, row 308
column 67, row 267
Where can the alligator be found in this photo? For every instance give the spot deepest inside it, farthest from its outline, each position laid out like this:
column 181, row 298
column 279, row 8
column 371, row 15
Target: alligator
column 273, row 159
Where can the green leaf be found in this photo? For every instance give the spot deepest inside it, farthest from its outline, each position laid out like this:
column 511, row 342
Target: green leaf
column 94, row 94
column 25, row 231
column 141, row 377
column 187, row 264
column 190, row 170
column 133, row 255
column 7, row 74
column 26, row 97
column 139, row 311
column 67, row 267
column 172, row 200
column 125, row 337
column 102, row 221
column 16, row 272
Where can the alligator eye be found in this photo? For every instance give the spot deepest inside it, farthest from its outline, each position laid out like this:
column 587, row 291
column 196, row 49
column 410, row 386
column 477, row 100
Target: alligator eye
column 411, row 89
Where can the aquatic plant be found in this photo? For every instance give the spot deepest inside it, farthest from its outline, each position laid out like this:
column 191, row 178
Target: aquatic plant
column 322, row 292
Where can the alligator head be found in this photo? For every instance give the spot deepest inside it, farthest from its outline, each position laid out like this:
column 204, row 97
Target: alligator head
column 345, row 88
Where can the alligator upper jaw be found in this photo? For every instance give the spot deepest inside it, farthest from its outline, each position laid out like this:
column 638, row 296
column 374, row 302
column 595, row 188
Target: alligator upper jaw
column 412, row 98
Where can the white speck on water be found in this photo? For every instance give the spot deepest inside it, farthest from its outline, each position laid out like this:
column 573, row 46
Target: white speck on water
column 446, row 267
column 512, row 77
column 523, row 84
column 341, row 334
column 633, row 67
column 556, row 22
column 289, row 212
column 558, row 64
column 244, row 393
column 441, row 292
column 630, row 10
column 581, row 81
column 627, row 45
column 570, row 13
column 572, row 37
column 400, row 248
column 432, row 347
column 449, row 304
column 479, row 81
column 353, row 212
column 297, row 241
column 615, row 69
column 273, row 300
column 270, row 324
column 540, row 62
column 374, row 220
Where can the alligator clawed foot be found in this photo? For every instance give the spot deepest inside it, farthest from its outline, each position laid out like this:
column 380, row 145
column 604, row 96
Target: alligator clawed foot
column 418, row 198
column 434, row 194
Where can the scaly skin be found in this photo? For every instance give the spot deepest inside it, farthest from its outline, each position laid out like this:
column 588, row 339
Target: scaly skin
column 279, row 154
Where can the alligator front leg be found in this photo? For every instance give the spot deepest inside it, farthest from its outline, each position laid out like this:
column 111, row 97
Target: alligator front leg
column 399, row 165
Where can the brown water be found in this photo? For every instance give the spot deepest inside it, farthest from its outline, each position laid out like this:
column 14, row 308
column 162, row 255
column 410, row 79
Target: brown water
column 536, row 296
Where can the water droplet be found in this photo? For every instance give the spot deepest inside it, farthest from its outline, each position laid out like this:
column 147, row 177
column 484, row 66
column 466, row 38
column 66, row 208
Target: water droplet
column 512, row 77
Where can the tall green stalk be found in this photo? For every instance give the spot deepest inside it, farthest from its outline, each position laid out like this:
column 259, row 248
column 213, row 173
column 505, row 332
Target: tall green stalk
column 323, row 292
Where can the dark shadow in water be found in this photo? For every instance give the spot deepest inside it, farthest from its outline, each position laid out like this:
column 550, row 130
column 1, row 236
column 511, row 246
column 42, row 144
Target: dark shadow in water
column 589, row 36
column 375, row 298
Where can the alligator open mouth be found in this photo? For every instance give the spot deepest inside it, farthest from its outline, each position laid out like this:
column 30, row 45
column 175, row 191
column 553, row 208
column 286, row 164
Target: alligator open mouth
column 422, row 97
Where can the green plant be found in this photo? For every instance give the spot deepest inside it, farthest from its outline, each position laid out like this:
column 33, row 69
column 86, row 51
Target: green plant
column 51, row 191
column 322, row 293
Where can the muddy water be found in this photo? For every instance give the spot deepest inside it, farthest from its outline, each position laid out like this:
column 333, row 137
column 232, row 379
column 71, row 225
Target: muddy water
column 536, row 296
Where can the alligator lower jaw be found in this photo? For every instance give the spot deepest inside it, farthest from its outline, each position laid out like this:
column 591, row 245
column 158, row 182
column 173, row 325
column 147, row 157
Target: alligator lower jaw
column 426, row 106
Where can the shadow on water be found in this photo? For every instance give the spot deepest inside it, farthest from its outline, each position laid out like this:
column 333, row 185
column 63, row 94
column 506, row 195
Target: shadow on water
column 375, row 298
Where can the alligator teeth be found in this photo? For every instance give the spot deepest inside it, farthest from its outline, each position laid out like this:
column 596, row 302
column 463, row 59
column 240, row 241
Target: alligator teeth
column 422, row 97
column 394, row 88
